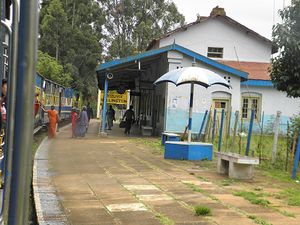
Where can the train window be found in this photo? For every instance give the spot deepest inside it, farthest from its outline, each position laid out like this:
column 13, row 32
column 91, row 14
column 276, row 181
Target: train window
column 48, row 87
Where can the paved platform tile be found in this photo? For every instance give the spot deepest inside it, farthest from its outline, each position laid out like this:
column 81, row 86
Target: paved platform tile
column 126, row 207
column 140, row 187
column 159, row 197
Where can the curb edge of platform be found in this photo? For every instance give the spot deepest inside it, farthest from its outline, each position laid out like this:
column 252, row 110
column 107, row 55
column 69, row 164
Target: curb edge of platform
column 43, row 189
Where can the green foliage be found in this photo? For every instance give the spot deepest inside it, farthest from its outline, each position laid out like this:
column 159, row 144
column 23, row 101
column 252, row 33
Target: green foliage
column 285, row 71
column 201, row 210
column 253, row 198
column 71, row 32
column 155, row 144
column 295, row 125
column 52, row 69
column 163, row 219
column 227, row 182
column 258, row 220
column 54, row 29
column 132, row 24
column 292, row 195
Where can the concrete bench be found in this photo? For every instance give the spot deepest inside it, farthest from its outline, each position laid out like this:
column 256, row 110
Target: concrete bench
column 236, row 166
column 165, row 136
column 147, row 131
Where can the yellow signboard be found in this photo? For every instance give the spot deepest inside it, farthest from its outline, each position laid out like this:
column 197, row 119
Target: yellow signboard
column 114, row 98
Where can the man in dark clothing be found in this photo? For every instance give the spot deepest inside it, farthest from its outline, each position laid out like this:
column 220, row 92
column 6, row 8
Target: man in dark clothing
column 129, row 119
column 110, row 117
column 89, row 111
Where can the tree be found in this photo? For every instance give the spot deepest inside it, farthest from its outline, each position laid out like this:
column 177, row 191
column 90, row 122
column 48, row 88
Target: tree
column 54, row 29
column 285, row 71
column 71, row 31
column 131, row 24
column 50, row 68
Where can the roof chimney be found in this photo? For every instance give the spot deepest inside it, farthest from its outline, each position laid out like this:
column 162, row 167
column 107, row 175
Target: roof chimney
column 218, row 11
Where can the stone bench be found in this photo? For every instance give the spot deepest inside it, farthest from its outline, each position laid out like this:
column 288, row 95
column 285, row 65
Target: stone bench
column 147, row 131
column 165, row 136
column 235, row 165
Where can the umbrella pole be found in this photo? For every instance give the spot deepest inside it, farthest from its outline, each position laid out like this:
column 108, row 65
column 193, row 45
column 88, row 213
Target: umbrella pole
column 191, row 112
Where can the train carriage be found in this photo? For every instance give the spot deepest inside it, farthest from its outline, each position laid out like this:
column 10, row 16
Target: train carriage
column 48, row 93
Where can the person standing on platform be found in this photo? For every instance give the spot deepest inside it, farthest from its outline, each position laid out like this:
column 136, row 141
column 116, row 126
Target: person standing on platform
column 129, row 119
column 110, row 117
column 89, row 111
column 53, row 121
column 82, row 123
column 74, row 122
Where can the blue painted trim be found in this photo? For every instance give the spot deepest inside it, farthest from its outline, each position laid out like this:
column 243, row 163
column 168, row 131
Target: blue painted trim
column 38, row 80
column 258, row 83
column 296, row 159
column 211, row 62
column 190, row 124
column 104, row 105
column 178, row 48
column 202, row 124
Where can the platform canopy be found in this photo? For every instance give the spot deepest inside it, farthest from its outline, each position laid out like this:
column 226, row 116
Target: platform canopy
column 126, row 71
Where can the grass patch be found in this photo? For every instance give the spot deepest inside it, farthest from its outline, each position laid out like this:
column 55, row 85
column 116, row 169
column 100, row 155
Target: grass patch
column 253, row 198
column 201, row 210
column 292, row 195
column 194, row 187
column 154, row 143
column 207, row 164
column 163, row 219
column 197, row 189
column 258, row 220
column 203, row 178
column 37, row 139
column 227, row 182
column 288, row 214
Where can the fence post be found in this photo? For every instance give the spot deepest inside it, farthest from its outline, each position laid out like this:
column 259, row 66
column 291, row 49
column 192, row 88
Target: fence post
column 221, row 131
column 261, row 136
column 214, row 126
column 202, row 125
column 207, row 131
column 276, row 131
column 287, row 146
column 296, row 160
column 236, row 120
column 250, row 131
column 228, row 119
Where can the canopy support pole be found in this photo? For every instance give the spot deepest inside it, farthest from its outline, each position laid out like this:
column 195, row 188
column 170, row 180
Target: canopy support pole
column 191, row 112
column 103, row 131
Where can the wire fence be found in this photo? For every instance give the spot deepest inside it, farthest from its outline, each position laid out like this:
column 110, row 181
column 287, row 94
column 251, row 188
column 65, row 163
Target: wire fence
column 271, row 140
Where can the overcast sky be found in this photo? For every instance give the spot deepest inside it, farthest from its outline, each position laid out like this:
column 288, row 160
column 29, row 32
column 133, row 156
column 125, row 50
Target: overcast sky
column 258, row 15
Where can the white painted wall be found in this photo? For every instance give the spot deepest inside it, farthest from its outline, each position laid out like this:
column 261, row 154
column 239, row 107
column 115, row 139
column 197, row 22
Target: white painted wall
column 178, row 97
column 237, row 44
column 274, row 100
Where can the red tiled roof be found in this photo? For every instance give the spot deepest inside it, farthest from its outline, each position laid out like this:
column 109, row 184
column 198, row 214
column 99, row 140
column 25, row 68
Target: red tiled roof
column 256, row 70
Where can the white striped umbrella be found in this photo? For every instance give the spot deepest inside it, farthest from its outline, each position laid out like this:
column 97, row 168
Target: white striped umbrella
column 192, row 75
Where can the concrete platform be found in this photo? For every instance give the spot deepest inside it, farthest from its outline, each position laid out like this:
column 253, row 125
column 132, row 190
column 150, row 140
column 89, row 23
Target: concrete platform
column 118, row 180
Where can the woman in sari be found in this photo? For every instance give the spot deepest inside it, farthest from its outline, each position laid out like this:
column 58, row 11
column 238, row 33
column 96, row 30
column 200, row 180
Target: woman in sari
column 74, row 122
column 53, row 121
column 82, row 123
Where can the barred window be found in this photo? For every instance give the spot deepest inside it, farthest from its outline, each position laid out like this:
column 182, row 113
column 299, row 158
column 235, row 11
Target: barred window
column 214, row 52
